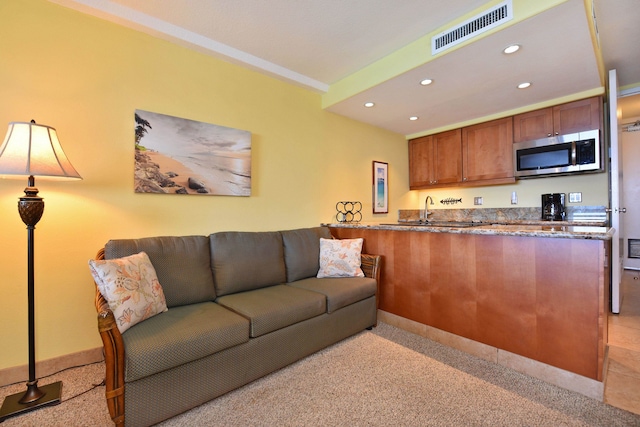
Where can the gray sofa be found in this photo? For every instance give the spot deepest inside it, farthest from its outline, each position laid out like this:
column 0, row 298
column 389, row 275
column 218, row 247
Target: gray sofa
column 241, row 305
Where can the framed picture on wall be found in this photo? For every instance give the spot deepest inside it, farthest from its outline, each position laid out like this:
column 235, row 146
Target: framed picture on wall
column 380, row 187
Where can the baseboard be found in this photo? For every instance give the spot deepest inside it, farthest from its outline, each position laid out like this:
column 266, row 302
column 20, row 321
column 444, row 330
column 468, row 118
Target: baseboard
column 547, row 373
column 47, row 367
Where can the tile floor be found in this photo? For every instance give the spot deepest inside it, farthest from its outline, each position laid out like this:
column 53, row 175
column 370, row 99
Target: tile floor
column 622, row 383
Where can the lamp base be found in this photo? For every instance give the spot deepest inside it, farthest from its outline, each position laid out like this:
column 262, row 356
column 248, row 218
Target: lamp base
column 12, row 407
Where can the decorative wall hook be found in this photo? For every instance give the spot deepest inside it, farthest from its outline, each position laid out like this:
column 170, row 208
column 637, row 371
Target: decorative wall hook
column 450, row 201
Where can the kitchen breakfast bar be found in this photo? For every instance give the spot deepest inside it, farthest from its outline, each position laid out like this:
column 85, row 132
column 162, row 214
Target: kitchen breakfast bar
column 540, row 291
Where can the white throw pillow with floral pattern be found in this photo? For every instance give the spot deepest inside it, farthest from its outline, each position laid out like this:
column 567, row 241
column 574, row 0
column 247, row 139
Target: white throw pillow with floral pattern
column 130, row 286
column 340, row 258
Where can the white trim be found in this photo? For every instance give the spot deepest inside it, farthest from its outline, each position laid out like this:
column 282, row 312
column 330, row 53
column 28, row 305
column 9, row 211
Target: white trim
column 122, row 15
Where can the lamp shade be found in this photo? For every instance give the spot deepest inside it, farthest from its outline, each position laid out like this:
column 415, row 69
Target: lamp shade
column 30, row 149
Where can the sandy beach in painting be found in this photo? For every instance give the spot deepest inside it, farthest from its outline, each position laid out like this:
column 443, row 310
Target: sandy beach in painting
column 217, row 180
column 167, row 164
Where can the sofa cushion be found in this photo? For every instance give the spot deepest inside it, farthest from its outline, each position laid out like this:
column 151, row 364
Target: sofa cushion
column 182, row 265
column 340, row 292
column 340, row 258
column 181, row 335
column 131, row 288
column 302, row 251
column 275, row 307
column 242, row 261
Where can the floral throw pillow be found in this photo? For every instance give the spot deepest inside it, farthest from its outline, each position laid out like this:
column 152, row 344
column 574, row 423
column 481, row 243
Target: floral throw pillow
column 340, row 258
column 130, row 286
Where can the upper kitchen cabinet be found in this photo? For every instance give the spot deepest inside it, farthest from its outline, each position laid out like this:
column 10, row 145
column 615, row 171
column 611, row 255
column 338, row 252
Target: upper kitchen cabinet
column 487, row 152
column 435, row 160
column 572, row 117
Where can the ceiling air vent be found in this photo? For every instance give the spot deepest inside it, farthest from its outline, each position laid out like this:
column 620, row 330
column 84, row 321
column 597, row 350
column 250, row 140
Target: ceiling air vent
column 478, row 24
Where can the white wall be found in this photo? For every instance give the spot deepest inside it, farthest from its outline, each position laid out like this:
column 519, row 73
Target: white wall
column 631, row 191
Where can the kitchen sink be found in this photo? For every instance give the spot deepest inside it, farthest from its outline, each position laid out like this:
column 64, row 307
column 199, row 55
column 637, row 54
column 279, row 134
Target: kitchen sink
column 452, row 224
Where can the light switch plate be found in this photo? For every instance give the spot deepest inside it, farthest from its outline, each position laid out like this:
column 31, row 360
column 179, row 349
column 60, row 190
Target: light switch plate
column 477, row 200
column 575, row 197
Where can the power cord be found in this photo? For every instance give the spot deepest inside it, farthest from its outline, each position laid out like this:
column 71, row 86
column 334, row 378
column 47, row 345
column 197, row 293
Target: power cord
column 94, row 386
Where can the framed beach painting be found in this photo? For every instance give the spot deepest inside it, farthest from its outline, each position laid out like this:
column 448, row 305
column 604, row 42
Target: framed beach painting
column 181, row 156
column 380, row 187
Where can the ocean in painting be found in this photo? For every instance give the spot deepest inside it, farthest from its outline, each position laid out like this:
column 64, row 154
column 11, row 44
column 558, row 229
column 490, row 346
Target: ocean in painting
column 380, row 187
column 218, row 155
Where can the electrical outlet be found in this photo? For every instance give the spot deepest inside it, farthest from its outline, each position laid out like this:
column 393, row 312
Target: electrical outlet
column 477, row 200
column 575, row 197
column 514, row 198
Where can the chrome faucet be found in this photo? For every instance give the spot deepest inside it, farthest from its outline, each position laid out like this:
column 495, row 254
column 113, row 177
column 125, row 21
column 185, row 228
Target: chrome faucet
column 426, row 207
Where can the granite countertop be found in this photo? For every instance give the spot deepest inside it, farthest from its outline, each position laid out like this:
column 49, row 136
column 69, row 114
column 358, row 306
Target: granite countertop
column 556, row 229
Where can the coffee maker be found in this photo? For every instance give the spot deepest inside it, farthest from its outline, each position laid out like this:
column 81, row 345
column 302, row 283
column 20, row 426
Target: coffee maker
column 553, row 207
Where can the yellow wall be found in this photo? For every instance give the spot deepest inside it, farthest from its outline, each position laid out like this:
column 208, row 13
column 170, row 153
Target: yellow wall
column 86, row 77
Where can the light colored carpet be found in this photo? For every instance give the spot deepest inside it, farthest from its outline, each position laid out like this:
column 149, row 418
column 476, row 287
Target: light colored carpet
column 383, row 377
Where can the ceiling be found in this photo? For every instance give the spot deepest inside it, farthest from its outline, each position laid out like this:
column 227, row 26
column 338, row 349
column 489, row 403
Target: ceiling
column 328, row 44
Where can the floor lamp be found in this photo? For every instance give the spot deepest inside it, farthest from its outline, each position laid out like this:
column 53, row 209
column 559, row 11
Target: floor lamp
column 32, row 150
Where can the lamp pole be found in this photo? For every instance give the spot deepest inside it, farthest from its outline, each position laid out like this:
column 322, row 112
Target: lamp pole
column 31, row 208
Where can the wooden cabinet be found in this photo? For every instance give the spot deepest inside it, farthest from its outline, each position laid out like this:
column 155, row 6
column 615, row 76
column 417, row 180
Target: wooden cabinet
column 420, row 162
column 542, row 298
column 571, row 117
column 483, row 154
column 475, row 155
column 435, row 160
column 487, row 151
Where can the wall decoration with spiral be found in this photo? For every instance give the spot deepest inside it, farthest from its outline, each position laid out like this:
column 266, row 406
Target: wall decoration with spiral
column 349, row 211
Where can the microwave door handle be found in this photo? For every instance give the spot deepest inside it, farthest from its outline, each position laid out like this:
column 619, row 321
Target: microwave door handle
column 573, row 153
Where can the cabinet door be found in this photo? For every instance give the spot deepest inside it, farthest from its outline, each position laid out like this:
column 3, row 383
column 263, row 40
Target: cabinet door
column 533, row 125
column 447, row 157
column 487, row 150
column 577, row 116
column 420, row 162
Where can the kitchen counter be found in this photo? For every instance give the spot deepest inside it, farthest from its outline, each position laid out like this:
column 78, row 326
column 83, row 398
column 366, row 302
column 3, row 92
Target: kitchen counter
column 538, row 291
column 564, row 229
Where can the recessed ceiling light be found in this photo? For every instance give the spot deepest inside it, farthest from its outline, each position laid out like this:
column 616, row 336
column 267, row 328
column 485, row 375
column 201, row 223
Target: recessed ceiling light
column 369, row 104
column 426, row 82
column 413, row 118
column 511, row 49
column 524, row 85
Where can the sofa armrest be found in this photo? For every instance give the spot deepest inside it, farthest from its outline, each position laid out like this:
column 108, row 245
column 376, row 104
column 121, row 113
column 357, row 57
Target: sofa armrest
column 370, row 265
column 113, row 356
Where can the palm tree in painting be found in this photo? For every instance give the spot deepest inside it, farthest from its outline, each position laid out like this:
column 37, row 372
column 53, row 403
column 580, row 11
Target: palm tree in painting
column 141, row 125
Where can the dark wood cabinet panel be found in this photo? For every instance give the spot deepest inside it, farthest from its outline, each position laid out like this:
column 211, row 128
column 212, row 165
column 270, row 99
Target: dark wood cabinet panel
column 577, row 116
column 435, row 160
column 533, row 125
column 421, row 162
column 447, row 157
column 572, row 117
column 488, row 150
column 542, row 298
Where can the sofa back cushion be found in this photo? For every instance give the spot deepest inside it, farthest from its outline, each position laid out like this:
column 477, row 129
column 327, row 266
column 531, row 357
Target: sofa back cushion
column 242, row 261
column 182, row 265
column 302, row 251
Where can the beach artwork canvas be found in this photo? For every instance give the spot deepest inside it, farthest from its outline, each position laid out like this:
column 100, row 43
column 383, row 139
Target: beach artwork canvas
column 181, row 156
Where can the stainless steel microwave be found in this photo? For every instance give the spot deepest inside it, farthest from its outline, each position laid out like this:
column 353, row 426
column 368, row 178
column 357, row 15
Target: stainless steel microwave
column 562, row 154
